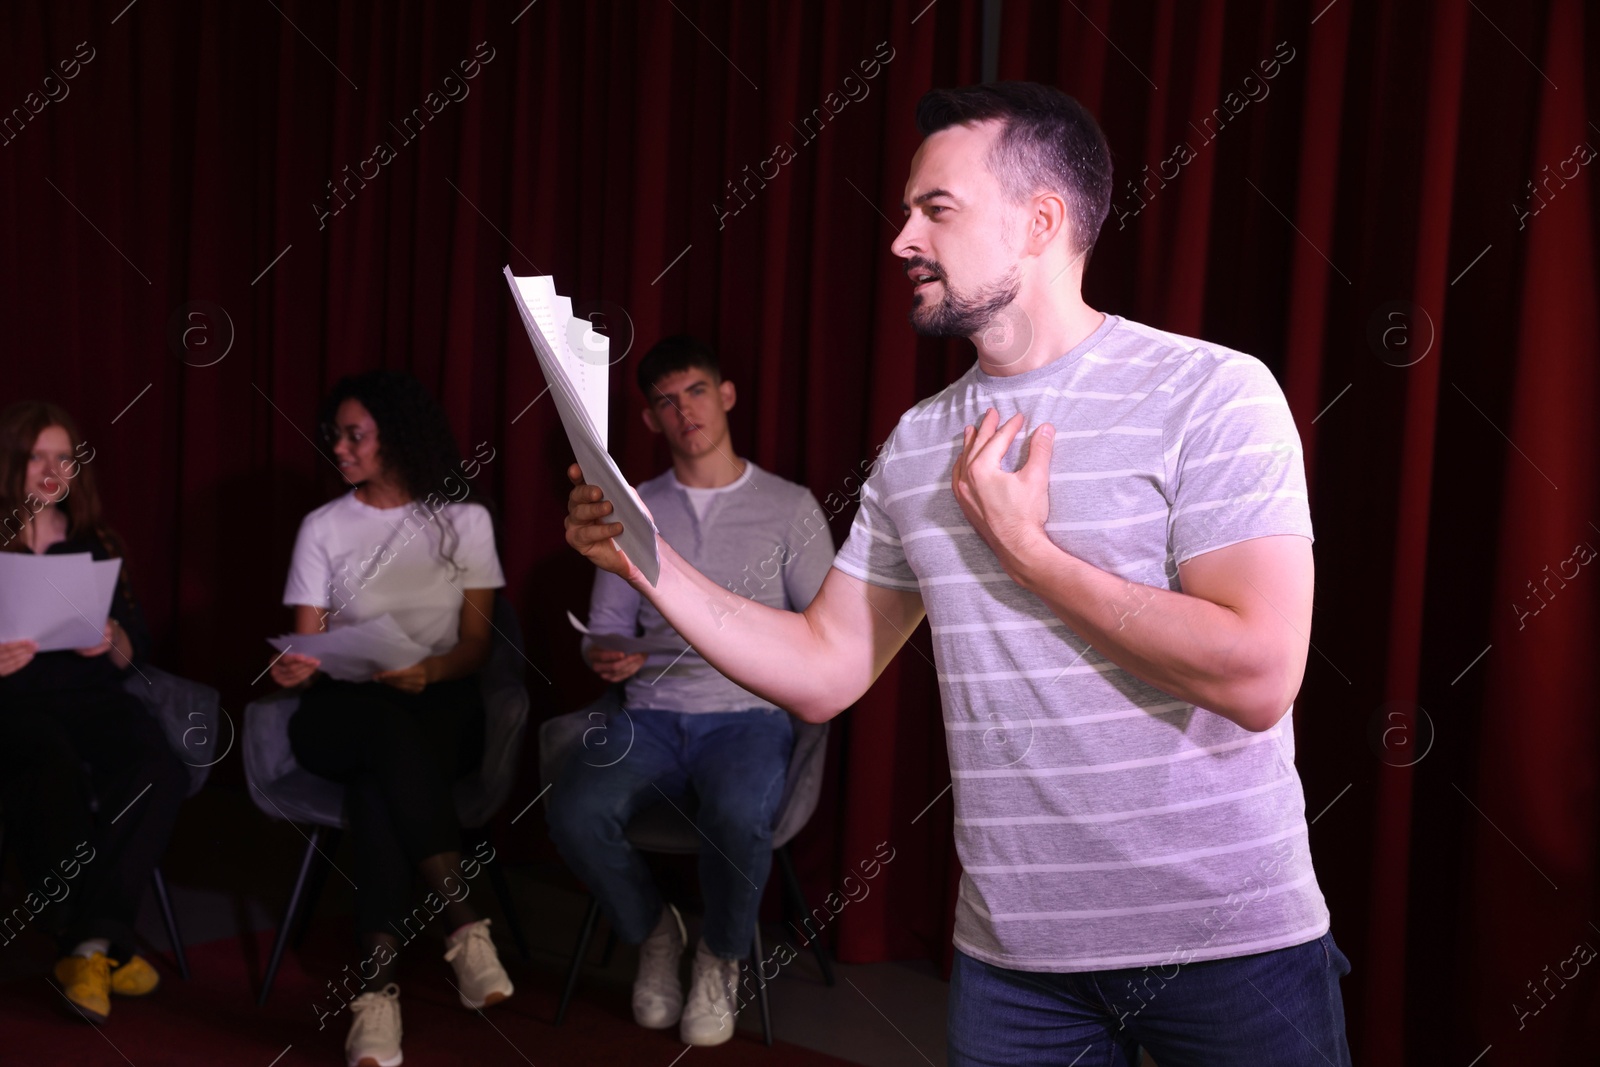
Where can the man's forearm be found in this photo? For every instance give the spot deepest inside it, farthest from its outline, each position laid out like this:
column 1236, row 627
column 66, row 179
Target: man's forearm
column 777, row 655
column 1196, row 650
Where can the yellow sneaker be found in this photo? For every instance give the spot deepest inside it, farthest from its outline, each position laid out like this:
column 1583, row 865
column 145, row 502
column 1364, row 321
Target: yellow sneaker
column 87, row 984
column 135, row 978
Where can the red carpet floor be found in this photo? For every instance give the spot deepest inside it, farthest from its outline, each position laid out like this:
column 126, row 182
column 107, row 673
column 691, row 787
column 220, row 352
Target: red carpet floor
column 212, row 1019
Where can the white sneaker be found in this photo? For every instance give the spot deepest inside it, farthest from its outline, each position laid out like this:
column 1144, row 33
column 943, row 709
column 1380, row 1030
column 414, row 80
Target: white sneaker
column 657, row 993
column 713, row 1000
column 374, row 1037
column 480, row 979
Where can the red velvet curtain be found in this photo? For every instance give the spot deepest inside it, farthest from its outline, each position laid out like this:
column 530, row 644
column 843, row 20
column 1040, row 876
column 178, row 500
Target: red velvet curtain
column 1390, row 203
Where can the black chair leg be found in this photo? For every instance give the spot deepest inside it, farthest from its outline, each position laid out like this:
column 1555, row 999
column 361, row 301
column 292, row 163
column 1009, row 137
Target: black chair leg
column 165, row 902
column 797, row 898
column 289, row 914
column 502, row 891
column 318, row 878
column 578, row 953
column 756, row 957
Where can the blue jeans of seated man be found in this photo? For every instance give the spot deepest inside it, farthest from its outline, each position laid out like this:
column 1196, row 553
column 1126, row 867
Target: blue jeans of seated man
column 735, row 762
column 1270, row 1009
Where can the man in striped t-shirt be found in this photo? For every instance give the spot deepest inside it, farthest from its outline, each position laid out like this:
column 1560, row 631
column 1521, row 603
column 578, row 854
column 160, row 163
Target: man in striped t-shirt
column 1119, row 599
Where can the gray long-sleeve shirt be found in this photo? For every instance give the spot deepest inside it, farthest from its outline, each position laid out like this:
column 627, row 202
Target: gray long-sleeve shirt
column 765, row 538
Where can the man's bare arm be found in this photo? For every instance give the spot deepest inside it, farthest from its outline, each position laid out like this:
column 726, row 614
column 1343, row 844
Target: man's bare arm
column 815, row 663
column 1233, row 642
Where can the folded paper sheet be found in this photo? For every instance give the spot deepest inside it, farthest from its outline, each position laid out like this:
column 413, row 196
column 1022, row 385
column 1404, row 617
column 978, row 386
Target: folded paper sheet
column 60, row 602
column 355, row 653
column 579, row 386
column 627, row 643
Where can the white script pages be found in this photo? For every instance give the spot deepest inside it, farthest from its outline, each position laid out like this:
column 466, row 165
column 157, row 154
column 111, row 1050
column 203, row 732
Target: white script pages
column 59, row 601
column 356, row 652
column 579, row 384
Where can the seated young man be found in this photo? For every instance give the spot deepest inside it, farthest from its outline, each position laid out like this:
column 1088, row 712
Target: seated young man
column 683, row 726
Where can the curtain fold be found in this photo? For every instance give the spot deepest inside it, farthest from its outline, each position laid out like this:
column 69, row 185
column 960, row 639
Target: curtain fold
column 1535, row 782
column 1386, row 934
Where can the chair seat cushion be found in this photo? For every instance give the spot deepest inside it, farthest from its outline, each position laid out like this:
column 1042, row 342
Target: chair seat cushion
column 300, row 796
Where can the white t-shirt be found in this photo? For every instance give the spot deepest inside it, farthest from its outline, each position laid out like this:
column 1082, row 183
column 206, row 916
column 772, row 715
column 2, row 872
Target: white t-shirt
column 700, row 499
column 359, row 562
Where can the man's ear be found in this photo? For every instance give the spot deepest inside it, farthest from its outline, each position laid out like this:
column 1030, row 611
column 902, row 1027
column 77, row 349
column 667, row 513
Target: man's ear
column 1050, row 220
column 729, row 395
column 650, row 420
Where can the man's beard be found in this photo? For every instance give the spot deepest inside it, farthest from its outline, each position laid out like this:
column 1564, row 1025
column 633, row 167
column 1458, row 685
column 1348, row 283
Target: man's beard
column 965, row 314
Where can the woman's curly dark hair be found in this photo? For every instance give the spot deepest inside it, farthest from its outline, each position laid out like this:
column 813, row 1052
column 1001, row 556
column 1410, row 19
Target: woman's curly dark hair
column 415, row 443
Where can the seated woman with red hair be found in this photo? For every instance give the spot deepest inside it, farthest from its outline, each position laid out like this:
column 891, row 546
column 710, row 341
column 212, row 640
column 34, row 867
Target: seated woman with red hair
column 89, row 787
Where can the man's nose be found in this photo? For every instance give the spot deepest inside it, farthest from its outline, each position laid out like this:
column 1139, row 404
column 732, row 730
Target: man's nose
column 907, row 242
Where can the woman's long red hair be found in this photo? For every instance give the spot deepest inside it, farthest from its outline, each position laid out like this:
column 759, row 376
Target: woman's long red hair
column 20, row 427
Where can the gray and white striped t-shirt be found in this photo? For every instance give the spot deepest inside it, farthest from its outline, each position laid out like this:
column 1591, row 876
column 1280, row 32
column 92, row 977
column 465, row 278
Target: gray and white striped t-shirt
column 1101, row 822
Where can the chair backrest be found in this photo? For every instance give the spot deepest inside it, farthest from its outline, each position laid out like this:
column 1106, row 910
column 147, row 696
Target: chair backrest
column 278, row 785
column 561, row 736
column 659, row 827
column 188, row 714
column 283, row 789
column 505, row 710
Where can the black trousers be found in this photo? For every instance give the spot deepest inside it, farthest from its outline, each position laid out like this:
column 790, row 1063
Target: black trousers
column 86, row 773
column 398, row 755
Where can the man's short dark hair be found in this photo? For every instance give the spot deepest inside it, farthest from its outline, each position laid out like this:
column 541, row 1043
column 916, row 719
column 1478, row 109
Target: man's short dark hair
column 1050, row 142
column 673, row 354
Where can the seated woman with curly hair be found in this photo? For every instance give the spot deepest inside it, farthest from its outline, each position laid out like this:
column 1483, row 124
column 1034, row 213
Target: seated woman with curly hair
column 89, row 787
column 395, row 545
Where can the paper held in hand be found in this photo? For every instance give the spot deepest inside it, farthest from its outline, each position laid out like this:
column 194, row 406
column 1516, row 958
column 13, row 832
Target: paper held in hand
column 625, row 643
column 356, row 652
column 60, row 602
column 576, row 363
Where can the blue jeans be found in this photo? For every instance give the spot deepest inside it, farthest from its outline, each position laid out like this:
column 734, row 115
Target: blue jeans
column 1271, row 1009
column 734, row 761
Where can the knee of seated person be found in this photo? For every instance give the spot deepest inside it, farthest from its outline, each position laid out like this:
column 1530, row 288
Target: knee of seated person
column 49, row 780
column 397, row 743
column 400, row 732
column 50, row 758
column 731, row 821
column 570, row 827
column 577, row 815
column 30, row 741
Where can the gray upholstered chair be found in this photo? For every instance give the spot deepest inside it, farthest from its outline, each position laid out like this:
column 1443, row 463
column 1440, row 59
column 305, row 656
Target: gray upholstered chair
column 284, row 790
column 661, row 827
column 187, row 712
